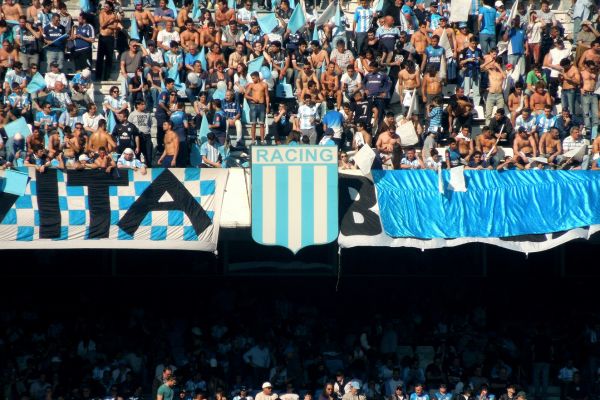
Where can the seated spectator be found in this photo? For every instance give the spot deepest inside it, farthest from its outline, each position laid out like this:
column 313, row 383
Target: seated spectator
column 574, row 141
column 128, row 160
column 550, row 146
column 353, row 394
column 104, row 161
column 501, row 127
column 524, row 148
column 411, row 161
column 53, row 76
column 434, row 161
column 443, row 393
column 39, row 159
column 565, row 122
column 419, row 393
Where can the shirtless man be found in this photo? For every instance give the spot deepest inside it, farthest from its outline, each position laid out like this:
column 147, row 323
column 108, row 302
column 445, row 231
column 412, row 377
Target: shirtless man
column 257, row 94
column 35, row 139
column 420, row 40
column 145, row 21
column 33, row 10
column 517, row 100
column 169, row 156
column 386, row 141
column 316, row 94
column 466, row 145
column 53, row 143
column 550, row 145
column 540, row 98
column 589, row 100
column 223, row 13
column 431, row 86
column 11, row 11
column 210, row 36
column 486, row 144
column 331, row 84
column 495, row 97
column 408, row 79
column 190, row 37
column 524, row 148
column 184, row 15
column 101, row 138
column 570, row 80
column 318, row 56
column 104, row 160
column 462, row 38
column 307, row 74
column 592, row 54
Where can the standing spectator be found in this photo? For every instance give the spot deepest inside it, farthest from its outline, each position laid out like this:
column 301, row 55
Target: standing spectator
column 393, row 383
column 27, row 37
column 55, row 40
column 110, row 25
column 363, row 16
column 165, row 391
column 258, row 358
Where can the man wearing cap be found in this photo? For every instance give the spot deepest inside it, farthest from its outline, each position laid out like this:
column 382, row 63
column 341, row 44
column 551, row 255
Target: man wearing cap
column 55, row 42
column 353, row 393
column 267, row 392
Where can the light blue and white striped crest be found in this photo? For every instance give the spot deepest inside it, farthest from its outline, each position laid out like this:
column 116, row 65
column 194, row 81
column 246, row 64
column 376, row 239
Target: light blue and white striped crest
column 294, row 195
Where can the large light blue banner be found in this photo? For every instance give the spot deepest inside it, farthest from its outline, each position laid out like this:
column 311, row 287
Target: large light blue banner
column 496, row 204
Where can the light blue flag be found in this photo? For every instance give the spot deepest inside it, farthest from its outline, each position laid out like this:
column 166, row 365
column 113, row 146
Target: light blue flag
column 37, row 83
column 134, row 32
column 144, row 43
column 17, row 126
column 15, row 182
column 110, row 122
column 254, row 65
column 246, row 112
column 204, row 129
column 196, row 12
column 219, row 94
column 297, row 20
column 315, row 34
column 379, row 6
column 268, row 22
column 195, row 157
column 171, row 6
column 86, row 6
column 292, row 4
column 338, row 20
column 231, row 4
column 202, row 58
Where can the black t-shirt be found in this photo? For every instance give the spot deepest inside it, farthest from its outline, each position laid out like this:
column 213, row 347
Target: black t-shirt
column 363, row 111
column 124, row 135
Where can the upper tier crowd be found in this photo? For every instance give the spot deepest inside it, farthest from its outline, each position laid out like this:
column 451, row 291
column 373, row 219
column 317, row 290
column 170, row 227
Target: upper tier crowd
column 502, row 86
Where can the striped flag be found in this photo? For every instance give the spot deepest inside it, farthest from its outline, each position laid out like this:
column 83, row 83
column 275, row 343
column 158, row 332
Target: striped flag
column 294, row 195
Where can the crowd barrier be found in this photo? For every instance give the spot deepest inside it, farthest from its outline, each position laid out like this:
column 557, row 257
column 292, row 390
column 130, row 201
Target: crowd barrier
column 525, row 211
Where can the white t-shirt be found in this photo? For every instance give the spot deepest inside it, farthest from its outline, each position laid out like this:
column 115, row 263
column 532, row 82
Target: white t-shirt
column 51, row 78
column 165, row 37
column 351, row 83
column 246, row 16
column 91, row 123
column 306, row 115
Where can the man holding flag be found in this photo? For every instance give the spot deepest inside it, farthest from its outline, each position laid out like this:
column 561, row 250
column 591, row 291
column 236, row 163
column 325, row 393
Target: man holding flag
column 55, row 39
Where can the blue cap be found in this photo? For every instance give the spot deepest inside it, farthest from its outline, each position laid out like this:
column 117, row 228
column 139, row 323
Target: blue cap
column 462, row 24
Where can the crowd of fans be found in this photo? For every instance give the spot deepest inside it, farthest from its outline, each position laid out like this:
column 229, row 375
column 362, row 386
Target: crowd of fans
column 395, row 75
column 238, row 350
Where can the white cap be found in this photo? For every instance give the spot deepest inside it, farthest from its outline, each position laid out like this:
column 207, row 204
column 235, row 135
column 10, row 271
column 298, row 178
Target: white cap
column 266, row 385
column 84, row 157
column 498, row 3
column 128, row 151
column 86, row 73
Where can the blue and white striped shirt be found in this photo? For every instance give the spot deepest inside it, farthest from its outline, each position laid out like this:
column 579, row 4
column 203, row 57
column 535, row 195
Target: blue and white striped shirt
column 363, row 17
